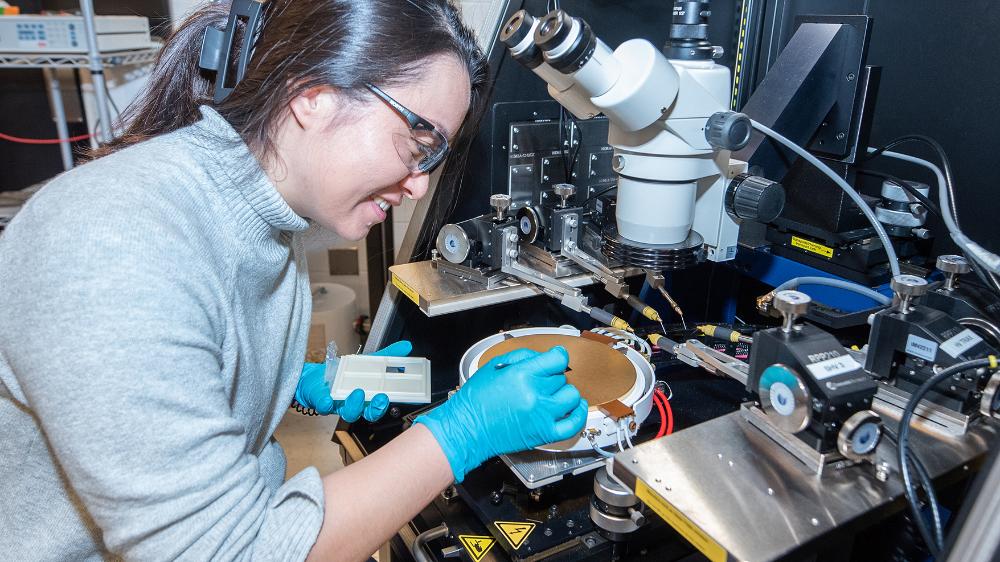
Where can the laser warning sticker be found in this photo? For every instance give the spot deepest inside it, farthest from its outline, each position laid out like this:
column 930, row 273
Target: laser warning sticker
column 515, row 532
column 476, row 546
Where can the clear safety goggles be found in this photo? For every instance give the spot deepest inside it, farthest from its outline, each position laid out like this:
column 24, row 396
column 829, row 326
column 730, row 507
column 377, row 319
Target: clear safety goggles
column 425, row 147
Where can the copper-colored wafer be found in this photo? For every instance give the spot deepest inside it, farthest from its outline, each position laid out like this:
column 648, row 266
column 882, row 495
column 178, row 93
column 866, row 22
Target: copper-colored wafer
column 600, row 373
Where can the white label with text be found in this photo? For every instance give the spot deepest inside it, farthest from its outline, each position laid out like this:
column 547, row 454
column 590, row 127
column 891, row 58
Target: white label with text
column 960, row 342
column 833, row 367
column 921, row 347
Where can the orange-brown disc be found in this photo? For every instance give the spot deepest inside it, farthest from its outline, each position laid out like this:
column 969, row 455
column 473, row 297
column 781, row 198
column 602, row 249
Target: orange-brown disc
column 600, row 373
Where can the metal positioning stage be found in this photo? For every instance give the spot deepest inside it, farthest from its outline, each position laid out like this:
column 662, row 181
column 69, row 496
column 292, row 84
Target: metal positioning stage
column 537, row 468
column 438, row 293
column 890, row 401
column 820, row 463
column 729, row 491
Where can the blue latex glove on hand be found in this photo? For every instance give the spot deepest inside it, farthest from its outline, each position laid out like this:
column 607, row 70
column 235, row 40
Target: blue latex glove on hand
column 314, row 392
column 513, row 403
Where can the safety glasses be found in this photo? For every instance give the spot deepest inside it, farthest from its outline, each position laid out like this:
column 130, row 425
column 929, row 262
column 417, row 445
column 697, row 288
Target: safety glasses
column 425, row 147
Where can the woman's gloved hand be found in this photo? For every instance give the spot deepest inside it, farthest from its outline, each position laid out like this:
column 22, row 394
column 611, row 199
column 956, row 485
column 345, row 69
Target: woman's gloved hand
column 515, row 402
column 313, row 391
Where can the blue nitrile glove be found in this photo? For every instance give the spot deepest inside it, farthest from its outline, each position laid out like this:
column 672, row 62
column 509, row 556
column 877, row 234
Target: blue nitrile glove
column 513, row 403
column 314, row 392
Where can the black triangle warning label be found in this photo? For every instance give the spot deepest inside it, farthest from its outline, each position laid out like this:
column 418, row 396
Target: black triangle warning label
column 516, row 532
column 476, row 546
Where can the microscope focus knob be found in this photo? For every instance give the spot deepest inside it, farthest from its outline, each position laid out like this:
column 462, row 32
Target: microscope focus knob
column 500, row 203
column 728, row 130
column 754, row 198
column 908, row 286
column 564, row 191
column 957, row 265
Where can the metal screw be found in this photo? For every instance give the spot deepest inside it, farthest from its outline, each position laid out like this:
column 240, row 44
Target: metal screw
column 514, row 147
column 516, row 130
column 770, row 491
column 589, row 541
column 545, row 178
column 547, row 532
column 814, row 521
column 570, row 523
column 658, row 480
column 841, row 136
column 635, row 461
column 851, row 77
column 882, row 471
column 531, row 478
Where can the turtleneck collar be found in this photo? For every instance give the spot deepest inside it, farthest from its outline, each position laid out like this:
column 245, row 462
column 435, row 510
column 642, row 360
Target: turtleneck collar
column 243, row 179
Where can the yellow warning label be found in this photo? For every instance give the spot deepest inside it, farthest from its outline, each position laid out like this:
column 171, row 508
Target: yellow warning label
column 516, row 532
column 477, row 547
column 814, row 247
column 406, row 289
column 711, row 549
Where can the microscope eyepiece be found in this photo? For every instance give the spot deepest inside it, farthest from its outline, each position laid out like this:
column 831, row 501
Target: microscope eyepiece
column 567, row 42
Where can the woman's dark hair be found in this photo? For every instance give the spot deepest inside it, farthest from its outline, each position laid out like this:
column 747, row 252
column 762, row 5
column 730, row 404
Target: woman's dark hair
column 302, row 44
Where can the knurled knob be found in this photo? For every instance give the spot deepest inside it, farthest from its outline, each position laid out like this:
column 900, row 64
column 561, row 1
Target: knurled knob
column 791, row 303
column 908, row 285
column 500, row 203
column 728, row 130
column 754, row 198
column 953, row 264
column 564, row 191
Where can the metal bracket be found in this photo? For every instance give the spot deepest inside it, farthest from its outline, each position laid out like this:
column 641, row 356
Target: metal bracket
column 489, row 280
column 509, row 265
column 697, row 354
column 816, row 462
column 571, row 249
column 890, row 401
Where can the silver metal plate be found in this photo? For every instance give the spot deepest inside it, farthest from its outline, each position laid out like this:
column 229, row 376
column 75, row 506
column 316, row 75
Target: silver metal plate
column 440, row 293
column 537, row 468
column 758, row 502
column 890, row 401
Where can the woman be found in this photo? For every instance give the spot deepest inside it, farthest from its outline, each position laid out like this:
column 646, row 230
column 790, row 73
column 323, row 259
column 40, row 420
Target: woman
column 156, row 301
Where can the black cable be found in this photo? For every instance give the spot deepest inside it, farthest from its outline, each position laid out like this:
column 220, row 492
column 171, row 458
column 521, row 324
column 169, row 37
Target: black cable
column 908, row 187
column 926, row 482
column 902, row 449
column 945, row 164
column 987, row 277
column 302, row 409
column 598, row 194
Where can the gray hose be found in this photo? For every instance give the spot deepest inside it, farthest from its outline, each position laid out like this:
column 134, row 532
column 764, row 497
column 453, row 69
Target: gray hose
column 890, row 252
column 838, row 283
column 417, row 548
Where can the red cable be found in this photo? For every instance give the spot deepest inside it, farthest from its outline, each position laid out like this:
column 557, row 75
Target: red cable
column 669, row 411
column 663, row 416
column 22, row 140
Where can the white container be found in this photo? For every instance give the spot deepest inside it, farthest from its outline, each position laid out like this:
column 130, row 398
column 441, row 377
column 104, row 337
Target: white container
column 334, row 309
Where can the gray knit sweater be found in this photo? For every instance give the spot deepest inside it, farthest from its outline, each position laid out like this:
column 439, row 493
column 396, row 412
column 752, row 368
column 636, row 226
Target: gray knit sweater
column 154, row 306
